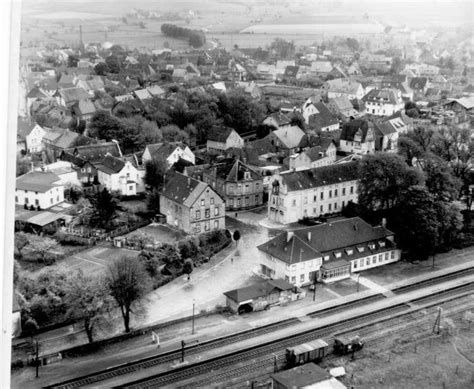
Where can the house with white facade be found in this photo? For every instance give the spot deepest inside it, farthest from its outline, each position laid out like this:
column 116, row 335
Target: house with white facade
column 321, row 119
column 323, row 154
column 168, row 153
column 342, row 87
column 383, row 102
column 222, row 139
column 34, row 140
column 311, row 193
column 357, row 137
column 65, row 171
column 117, row 174
column 328, row 252
column 386, row 137
column 39, row 189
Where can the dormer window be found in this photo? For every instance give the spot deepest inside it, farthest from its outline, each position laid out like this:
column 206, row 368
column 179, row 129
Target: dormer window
column 247, row 175
column 381, row 243
column 372, row 246
column 338, row 254
column 326, row 257
column 360, row 249
column 349, row 251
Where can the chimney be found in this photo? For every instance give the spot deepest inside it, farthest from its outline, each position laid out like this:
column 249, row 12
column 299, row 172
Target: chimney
column 309, row 236
column 289, row 235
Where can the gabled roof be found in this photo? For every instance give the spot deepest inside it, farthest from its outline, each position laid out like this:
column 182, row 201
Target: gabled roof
column 316, row 241
column 110, row 165
column 324, row 117
column 387, row 96
column 37, row 181
column 85, row 107
column 66, row 139
column 184, row 190
column 66, row 81
column 342, row 103
column 93, row 152
column 321, row 176
column 235, row 171
column 36, row 93
column 384, row 129
column 350, row 129
column 343, row 85
column 290, row 136
column 291, row 71
column 70, row 95
column 219, row 134
column 280, row 118
column 161, row 151
column 260, row 289
column 418, row 82
column 321, row 66
column 307, row 375
column 142, row 94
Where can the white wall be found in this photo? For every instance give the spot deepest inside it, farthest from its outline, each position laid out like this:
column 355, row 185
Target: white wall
column 45, row 200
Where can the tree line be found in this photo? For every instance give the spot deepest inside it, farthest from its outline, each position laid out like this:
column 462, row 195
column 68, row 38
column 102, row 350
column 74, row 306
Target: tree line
column 195, row 38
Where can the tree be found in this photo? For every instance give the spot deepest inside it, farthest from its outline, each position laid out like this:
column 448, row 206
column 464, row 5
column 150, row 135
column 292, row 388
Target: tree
column 440, row 180
column 72, row 61
column 23, row 166
column 424, row 136
column 263, row 130
column 154, row 174
column 409, row 149
column 30, row 328
column 113, row 63
column 173, row 133
column 396, row 66
column 188, row 266
column 153, row 201
column 283, row 49
column 88, row 300
column 353, row 44
column 45, row 248
column 128, row 283
column 384, row 178
column 103, row 125
column 150, row 263
column 236, row 236
column 196, row 40
column 21, row 241
column 101, row 69
column 104, row 208
column 297, row 119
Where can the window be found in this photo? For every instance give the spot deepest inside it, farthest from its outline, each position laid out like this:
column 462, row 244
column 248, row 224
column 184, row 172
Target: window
column 238, row 202
column 322, row 195
column 329, row 207
column 216, row 224
column 206, row 225
column 326, row 257
column 302, row 278
column 343, row 191
column 349, row 251
column 392, row 254
column 314, row 198
column 361, row 262
column 287, row 279
column 352, row 190
column 335, row 192
column 202, row 202
column 198, row 227
column 367, row 262
column 335, row 205
column 355, row 264
column 256, row 198
column 130, row 187
column 198, row 214
column 207, row 213
column 212, row 200
column 293, row 279
column 381, row 243
column 128, row 175
column 294, row 202
column 360, row 249
column 321, row 208
column 330, row 193
column 216, row 211
column 380, row 257
column 338, row 254
column 231, row 203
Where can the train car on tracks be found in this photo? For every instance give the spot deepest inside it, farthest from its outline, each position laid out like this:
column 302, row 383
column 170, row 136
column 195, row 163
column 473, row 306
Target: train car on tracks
column 346, row 345
column 307, row 352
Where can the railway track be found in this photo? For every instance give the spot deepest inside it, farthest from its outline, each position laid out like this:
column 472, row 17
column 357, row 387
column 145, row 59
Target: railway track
column 255, row 354
column 171, row 356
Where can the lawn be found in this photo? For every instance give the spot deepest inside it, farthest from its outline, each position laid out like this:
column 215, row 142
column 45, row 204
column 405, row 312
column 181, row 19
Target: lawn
column 159, row 233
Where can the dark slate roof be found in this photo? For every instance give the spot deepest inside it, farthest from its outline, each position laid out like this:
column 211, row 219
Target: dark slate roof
column 35, row 93
column 384, row 128
column 326, row 175
column 418, row 82
column 183, row 189
column 291, row 71
column 37, row 181
column 377, row 95
column 95, row 152
column 219, row 134
column 324, row 118
column 302, row 376
column 73, row 94
column 350, row 129
column 280, row 118
column 161, row 151
column 325, row 239
column 66, row 139
column 234, row 171
column 255, row 291
column 110, row 165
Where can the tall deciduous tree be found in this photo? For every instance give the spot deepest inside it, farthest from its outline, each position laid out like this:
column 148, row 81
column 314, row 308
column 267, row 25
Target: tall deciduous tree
column 154, row 174
column 88, row 300
column 45, row 248
column 384, row 178
column 21, row 241
column 128, row 284
column 440, row 179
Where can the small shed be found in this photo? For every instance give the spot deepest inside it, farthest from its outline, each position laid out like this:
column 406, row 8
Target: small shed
column 309, row 375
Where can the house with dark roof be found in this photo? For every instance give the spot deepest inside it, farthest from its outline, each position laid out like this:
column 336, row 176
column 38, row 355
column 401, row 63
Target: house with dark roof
column 327, row 252
column 288, row 139
column 313, row 192
column 277, row 120
column 308, row 375
column 240, row 186
column 192, row 205
column 221, row 139
column 420, row 86
column 39, row 189
column 399, row 82
column 321, row 119
column 342, row 87
column 383, row 102
column 259, row 296
column 386, row 137
column 168, row 153
column 68, row 96
column 357, row 137
column 323, row 154
column 121, row 175
column 343, row 109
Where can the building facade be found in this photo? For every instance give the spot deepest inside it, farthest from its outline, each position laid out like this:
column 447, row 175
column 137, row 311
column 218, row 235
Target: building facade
column 39, row 189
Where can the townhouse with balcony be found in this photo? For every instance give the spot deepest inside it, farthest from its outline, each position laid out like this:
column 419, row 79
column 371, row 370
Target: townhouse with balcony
column 328, row 252
column 312, row 192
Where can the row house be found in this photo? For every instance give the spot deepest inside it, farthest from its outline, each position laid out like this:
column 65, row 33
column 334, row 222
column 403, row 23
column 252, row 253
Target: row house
column 312, row 192
column 383, row 102
column 327, row 252
column 238, row 184
column 192, row 205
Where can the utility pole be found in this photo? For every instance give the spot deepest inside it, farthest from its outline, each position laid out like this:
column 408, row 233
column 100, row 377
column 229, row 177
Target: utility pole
column 37, row 357
column 437, row 324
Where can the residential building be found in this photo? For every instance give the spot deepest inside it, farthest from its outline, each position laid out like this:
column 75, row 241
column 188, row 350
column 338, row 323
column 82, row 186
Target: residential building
column 342, row 87
column 420, row 86
column 68, row 96
column 238, row 184
column 320, row 119
column 288, row 139
column 321, row 68
column 312, row 192
column 277, row 120
column 67, row 175
column 34, row 139
column 168, row 153
column 39, row 189
column 121, row 175
column 192, row 205
column 327, row 252
column 400, row 82
column 313, row 157
column 343, row 109
column 402, row 122
column 259, row 296
column 386, row 137
column 222, row 139
column 357, row 137
column 383, row 102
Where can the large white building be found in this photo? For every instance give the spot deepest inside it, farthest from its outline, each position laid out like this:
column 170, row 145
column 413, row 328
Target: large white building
column 39, row 189
column 383, row 102
column 120, row 175
column 312, row 192
column 168, row 153
column 327, row 252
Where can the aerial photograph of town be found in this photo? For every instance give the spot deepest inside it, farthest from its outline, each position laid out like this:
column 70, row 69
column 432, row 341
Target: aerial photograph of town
column 243, row 194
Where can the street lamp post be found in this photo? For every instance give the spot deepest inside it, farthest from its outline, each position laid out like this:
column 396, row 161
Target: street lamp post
column 193, row 315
